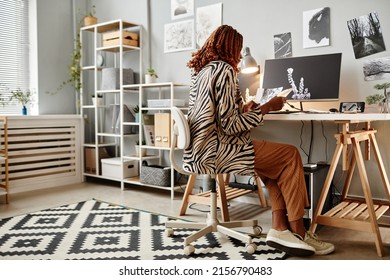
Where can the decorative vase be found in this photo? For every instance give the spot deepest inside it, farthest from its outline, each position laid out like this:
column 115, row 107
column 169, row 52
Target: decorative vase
column 24, row 110
column 150, row 79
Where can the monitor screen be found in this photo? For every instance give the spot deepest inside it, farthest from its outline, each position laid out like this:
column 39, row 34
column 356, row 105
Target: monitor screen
column 312, row 78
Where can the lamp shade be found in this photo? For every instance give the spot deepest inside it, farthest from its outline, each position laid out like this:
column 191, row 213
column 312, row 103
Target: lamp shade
column 248, row 63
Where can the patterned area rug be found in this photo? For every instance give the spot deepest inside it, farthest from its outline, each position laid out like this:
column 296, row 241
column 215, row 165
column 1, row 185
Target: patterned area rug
column 97, row 230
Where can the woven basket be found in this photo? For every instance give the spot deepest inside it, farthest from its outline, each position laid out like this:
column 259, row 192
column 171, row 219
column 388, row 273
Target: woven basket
column 156, row 175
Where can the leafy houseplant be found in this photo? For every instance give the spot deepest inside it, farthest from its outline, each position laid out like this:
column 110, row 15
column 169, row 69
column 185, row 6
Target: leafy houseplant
column 150, row 76
column 89, row 18
column 379, row 98
column 23, row 97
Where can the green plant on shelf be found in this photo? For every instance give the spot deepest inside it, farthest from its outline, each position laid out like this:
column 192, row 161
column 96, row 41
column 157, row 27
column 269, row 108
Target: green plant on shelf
column 142, row 142
column 152, row 72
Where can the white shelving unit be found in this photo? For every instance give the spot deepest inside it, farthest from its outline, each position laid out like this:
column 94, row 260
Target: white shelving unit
column 98, row 133
column 166, row 90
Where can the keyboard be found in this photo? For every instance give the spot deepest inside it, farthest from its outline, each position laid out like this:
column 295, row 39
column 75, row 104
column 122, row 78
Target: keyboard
column 310, row 111
column 284, row 112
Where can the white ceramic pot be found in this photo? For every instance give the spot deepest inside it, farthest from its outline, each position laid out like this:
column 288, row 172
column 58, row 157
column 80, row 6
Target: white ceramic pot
column 137, row 149
column 97, row 101
column 149, row 79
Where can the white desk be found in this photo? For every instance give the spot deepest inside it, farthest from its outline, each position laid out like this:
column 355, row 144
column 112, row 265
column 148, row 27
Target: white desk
column 328, row 117
column 350, row 213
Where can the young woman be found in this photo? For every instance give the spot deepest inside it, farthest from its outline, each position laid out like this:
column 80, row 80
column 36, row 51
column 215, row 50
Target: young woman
column 220, row 126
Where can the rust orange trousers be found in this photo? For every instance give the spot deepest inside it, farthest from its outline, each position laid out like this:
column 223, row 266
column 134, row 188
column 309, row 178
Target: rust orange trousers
column 280, row 168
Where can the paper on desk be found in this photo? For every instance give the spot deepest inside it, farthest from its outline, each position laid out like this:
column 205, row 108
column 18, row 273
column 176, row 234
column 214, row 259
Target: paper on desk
column 265, row 95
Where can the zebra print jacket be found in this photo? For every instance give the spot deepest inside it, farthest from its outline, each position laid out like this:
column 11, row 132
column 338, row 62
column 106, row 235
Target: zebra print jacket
column 220, row 129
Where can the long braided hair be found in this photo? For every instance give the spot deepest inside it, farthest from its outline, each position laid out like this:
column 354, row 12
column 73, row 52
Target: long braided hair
column 225, row 43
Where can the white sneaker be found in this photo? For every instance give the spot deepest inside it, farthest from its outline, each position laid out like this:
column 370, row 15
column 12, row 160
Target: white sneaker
column 321, row 247
column 289, row 242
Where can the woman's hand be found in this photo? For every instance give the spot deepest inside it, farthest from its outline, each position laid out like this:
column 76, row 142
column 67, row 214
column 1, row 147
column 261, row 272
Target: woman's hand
column 275, row 104
column 250, row 106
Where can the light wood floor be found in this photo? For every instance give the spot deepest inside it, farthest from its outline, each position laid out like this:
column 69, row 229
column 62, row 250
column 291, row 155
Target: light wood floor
column 350, row 245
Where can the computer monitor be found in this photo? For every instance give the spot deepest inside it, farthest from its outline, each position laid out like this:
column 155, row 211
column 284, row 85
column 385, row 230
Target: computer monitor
column 313, row 78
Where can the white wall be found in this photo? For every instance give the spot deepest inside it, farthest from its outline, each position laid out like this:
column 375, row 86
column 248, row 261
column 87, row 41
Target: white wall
column 55, row 46
column 258, row 21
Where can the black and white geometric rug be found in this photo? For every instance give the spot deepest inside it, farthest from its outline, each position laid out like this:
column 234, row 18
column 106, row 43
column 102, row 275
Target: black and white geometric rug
column 97, row 230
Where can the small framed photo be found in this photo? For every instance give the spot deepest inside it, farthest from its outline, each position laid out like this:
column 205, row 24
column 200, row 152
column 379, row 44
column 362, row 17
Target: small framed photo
column 182, row 9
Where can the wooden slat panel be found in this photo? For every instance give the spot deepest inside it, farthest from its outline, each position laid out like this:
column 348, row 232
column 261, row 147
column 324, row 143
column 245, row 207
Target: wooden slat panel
column 344, row 223
column 38, row 137
column 40, row 144
column 40, row 165
column 27, row 153
column 47, row 156
column 346, row 210
column 365, row 215
column 43, row 152
column 40, row 172
column 21, row 131
column 336, row 209
column 357, row 211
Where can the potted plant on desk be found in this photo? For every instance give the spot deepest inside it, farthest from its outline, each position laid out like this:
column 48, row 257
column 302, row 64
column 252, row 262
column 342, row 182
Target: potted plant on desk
column 379, row 102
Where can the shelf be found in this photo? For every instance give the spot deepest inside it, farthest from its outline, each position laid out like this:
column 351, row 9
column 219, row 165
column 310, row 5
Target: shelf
column 116, row 48
column 147, row 157
column 155, row 85
column 120, row 144
column 108, row 134
column 91, row 145
column 109, row 26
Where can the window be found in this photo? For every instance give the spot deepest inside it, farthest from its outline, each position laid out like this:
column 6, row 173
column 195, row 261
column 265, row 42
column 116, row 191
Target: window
column 14, row 51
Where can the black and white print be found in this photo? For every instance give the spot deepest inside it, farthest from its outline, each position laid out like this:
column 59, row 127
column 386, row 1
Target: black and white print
column 208, row 18
column 282, row 45
column 377, row 69
column 182, row 9
column 179, row 36
column 366, row 35
column 316, row 28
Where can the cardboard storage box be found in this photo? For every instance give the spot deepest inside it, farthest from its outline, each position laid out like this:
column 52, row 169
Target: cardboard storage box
column 111, row 168
column 112, row 39
column 162, row 129
column 90, row 158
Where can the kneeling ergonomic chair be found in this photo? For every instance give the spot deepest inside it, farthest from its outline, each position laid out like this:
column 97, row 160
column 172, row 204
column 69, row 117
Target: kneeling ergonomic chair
column 181, row 140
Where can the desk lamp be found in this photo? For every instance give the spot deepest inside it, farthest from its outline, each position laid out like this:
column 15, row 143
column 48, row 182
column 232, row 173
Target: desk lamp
column 248, row 63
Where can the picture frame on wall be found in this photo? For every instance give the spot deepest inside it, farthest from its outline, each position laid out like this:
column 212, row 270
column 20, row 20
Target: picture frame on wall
column 316, row 28
column 208, row 18
column 182, row 9
column 179, row 36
